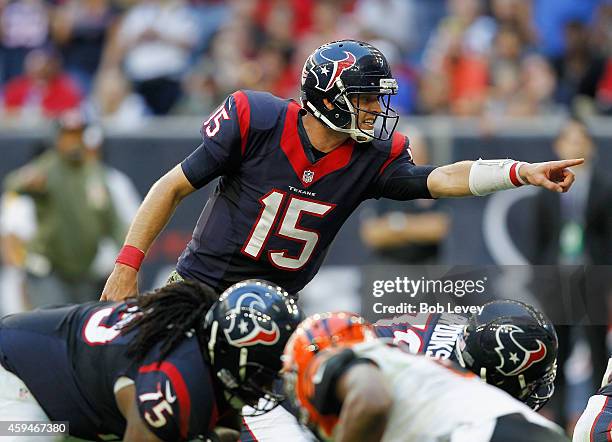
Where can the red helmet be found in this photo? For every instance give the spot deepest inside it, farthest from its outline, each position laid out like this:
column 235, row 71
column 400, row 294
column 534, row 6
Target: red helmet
column 315, row 340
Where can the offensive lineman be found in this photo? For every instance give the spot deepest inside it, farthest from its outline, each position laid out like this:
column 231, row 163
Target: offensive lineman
column 291, row 176
column 510, row 344
column 171, row 365
column 351, row 386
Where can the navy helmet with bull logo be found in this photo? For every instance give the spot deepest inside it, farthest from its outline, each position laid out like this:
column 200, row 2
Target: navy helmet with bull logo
column 340, row 70
column 513, row 346
column 247, row 330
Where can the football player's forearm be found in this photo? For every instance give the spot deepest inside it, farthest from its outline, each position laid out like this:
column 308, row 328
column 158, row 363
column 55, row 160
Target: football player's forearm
column 152, row 216
column 135, row 430
column 157, row 209
column 366, row 404
column 361, row 420
column 451, row 180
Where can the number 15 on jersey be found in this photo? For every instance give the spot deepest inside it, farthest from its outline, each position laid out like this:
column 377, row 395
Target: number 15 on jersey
column 289, row 227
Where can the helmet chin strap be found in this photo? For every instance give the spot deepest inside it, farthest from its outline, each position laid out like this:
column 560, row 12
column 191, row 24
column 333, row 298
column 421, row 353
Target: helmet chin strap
column 244, row 356
column 355, row 134
column 212, row 341
column 458, row 351
column 522, row 382
column 483, row 373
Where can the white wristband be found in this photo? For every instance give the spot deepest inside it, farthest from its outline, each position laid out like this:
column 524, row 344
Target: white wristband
column 488, row 176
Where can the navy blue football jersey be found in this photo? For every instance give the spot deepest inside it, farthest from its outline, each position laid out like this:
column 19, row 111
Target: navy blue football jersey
column 605, row 390
column 71, row 358
column 431, row 334
column 277, row 208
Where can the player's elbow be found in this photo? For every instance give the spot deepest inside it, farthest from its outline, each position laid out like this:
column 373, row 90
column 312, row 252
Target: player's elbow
column 436, row 182
column 450, row 181
column 174, row 184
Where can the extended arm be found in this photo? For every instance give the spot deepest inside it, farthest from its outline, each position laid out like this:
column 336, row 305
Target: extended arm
column 152, row 216
column 29, row 179
column 366, row 404
column 468, row 178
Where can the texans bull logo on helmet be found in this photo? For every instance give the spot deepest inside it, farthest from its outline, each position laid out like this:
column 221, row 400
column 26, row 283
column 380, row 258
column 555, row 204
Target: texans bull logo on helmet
column 514, row 358
column 326, row 75
column 248, row 325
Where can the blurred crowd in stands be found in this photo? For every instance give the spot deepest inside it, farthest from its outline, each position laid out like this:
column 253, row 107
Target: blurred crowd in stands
column 127, row 59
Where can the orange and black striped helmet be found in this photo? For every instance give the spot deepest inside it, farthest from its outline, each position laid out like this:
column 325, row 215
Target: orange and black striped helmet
column 316, row 339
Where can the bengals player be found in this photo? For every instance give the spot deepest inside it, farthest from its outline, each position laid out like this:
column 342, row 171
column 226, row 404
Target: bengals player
column 351, row 386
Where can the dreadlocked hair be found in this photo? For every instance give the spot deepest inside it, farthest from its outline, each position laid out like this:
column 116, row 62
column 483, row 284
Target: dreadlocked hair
column 169, row 315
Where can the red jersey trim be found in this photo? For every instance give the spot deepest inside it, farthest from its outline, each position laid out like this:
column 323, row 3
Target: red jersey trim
column 397, row 146
column 246, row 426
column 243, row 109
column 180, row 387
column 294, row 150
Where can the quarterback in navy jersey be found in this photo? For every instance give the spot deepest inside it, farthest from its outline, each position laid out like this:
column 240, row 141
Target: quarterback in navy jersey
column 291, row 175
column 172, row 365
column 309, row 201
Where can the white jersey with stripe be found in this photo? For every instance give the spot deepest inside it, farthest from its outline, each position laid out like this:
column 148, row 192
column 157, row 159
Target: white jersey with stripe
column 432, row 399
column 595, row 423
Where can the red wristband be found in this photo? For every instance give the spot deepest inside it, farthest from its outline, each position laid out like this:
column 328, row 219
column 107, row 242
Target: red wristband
column 130, row 256
column 514, row 176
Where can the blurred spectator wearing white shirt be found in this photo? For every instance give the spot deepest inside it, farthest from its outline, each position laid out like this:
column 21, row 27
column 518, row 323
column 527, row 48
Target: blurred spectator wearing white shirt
column 24, row 25
column 17, row 227
column 80, row 29
column 154, row 44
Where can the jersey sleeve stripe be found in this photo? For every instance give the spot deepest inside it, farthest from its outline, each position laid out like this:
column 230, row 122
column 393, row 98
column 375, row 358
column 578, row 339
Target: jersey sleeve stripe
column 243, row 109
column 397, row 146
column 180, row 388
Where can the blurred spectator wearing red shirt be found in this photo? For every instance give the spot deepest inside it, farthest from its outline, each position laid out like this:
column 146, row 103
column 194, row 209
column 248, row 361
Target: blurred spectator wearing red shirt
column 43, row 89
column 456, row 58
